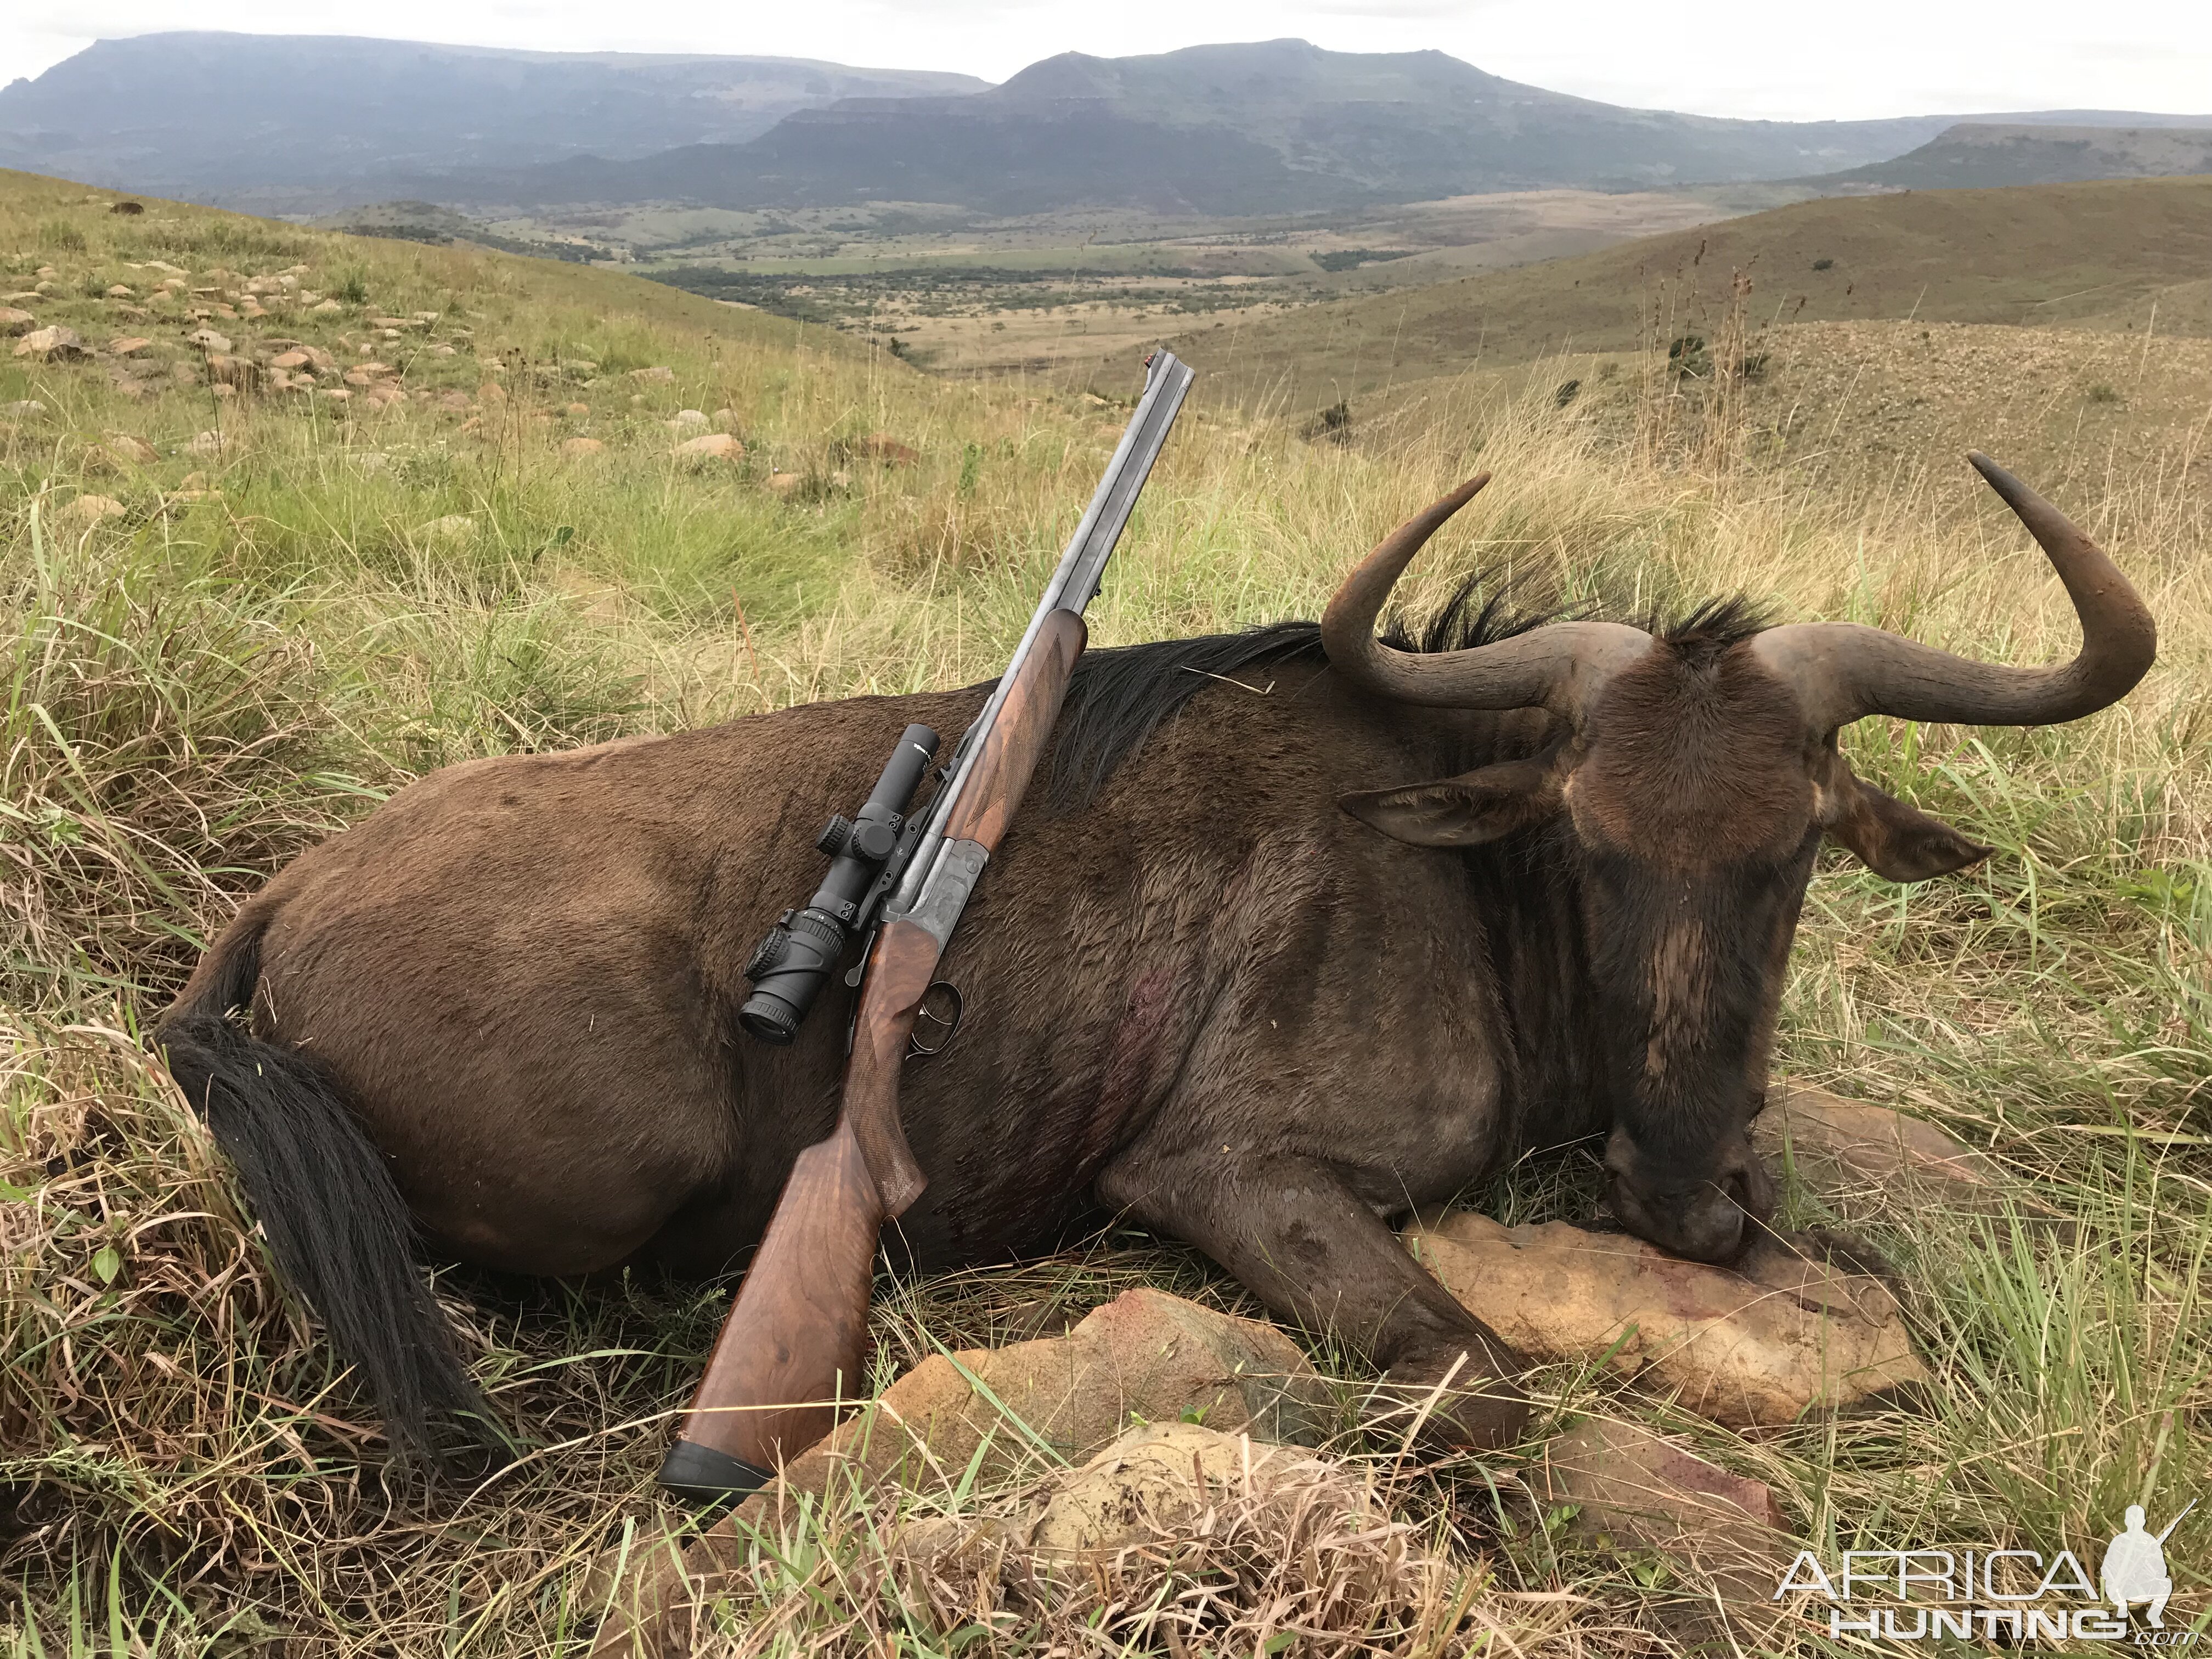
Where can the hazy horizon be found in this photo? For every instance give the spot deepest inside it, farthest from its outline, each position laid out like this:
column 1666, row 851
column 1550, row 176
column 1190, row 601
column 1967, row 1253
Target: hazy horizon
column 1896, row 58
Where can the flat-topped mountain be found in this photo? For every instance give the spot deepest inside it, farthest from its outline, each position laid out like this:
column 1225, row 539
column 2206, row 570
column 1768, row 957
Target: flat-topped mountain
column 305, row 122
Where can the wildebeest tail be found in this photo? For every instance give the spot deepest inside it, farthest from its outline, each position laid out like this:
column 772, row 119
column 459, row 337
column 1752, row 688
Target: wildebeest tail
column 338, row 1227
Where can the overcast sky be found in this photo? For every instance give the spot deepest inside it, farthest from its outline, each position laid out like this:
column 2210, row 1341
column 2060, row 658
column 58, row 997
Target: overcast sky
column 1824, row 58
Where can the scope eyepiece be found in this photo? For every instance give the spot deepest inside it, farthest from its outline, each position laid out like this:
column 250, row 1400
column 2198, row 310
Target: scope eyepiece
column 791, row 965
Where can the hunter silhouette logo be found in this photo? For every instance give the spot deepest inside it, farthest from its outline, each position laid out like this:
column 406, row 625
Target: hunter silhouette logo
column 2021, row 1596
column 2134, row 1566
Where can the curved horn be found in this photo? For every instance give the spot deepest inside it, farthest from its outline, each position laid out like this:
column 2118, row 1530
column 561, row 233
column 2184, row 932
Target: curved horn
column 1842, row 671
column 1557, row 666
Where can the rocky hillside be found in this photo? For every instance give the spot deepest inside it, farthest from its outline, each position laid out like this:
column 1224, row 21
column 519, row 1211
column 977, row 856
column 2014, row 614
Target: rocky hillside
column 294, row 123
column 1976, row 154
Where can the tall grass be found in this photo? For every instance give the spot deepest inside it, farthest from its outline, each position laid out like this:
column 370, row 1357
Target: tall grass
column 204, row 684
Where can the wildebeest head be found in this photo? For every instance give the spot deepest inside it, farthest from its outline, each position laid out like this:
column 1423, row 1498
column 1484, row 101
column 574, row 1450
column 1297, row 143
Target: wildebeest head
column 1692, row 777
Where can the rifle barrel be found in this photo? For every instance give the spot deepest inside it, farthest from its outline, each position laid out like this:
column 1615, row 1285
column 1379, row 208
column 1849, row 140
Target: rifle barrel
column 1073, row 584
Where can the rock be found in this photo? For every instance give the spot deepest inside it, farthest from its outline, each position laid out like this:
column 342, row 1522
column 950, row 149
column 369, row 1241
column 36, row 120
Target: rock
column 577, row 449
column 221, row 389
column 659, row 373
column 441, row 351
column 208, row 340
column 338, row 394
column 327, row 306
column 882, row 446
column 578, row 412
column 118, row 291
column 783, row 482
column 88, row 510
column 579, row 365
column 208, row 443
column 726, row 420
column 1162, row 1478
column 454, row 402
column 491, row 392
column 1844, row 1146
column 13, row 321
column 1758, row 1344
column 129, row 346
column 52, row 345
column 453, row 527
column 710, row 447
column 370, row 460
column 289, row 361
column 238, row 374
column 688, row 419
column 1649, row 1492
column 1162, row 1507
column 135, row 450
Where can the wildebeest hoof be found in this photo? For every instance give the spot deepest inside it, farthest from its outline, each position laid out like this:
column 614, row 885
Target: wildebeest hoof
column 1476, row 1411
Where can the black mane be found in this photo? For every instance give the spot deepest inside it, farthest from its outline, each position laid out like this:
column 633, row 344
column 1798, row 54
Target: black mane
column 1118, row 697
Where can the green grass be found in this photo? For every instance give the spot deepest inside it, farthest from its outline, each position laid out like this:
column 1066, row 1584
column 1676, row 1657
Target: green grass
column 2048, row 256
column 240, row 662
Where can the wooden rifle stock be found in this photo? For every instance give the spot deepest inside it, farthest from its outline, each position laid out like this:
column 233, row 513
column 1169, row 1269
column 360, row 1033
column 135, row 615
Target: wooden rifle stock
column 792, row 1346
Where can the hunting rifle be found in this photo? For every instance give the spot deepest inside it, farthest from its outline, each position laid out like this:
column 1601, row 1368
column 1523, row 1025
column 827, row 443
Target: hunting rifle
column 790, row 1350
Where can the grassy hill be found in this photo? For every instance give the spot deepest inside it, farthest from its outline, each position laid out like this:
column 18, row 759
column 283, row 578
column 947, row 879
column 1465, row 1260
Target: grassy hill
column 236, row 612
column 1978, row 154
column 2080, row 255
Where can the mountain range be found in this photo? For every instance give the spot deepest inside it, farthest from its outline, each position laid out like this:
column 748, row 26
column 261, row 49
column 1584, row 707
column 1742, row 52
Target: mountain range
column 308, row 123
column 301, row 124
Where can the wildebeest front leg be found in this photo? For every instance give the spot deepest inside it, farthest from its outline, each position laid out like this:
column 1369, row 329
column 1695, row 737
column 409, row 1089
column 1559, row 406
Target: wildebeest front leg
column 1303, row 1243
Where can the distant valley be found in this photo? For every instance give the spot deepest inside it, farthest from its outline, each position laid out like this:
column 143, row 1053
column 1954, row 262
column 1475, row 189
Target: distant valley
column 304, row 126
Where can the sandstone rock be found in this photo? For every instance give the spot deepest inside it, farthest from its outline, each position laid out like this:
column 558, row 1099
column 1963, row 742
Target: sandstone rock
column 659, row 374
column 491, row 392
column 882, row 446
column 52, row 345
column 289, row 361
column 223, row 389
column 118, row 291
column 579, row 365
column 1846, row 1146
column 129, row 346
column 726, row 420
column 455, row 402
column 710, row 447
column 370, row 460
column 327, row 306
column 1163, row 1477
column 1759, row 1344
column 453, row 527
column 783, row 482
column 338, row 394
column 578, row 412
column 27, row 409
column 577, row 449
column 88, row 510
column 688, row 419
column 1640, row 1490
column 239, row 373
column 13, row 321
column 135, row 450
column 208, row 443
column 441, row 350
column 208, row 340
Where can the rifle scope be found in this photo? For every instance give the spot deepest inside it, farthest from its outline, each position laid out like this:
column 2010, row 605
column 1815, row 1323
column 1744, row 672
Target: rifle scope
column 791, row 965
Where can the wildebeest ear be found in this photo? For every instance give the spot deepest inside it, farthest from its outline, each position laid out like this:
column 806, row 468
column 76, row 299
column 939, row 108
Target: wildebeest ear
column 1466, row 811
column 1897, row 842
